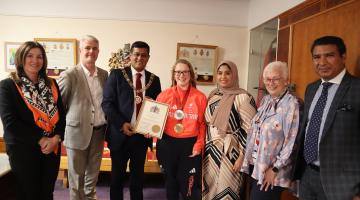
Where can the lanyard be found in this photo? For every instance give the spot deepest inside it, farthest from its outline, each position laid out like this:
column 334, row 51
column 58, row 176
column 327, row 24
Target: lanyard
column 180, row 105
column 179, row 113
column 277, row 102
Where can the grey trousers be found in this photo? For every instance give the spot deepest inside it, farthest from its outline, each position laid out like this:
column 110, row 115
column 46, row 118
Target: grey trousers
column 310, row 186
column 84, row 166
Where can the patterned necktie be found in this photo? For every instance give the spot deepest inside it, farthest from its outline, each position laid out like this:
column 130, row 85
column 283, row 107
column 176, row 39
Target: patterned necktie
column 138, row 94
column 313, row 131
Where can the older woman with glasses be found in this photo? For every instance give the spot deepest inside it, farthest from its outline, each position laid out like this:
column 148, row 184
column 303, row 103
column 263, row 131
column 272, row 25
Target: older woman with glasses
column 271, row 141
column 179, row 150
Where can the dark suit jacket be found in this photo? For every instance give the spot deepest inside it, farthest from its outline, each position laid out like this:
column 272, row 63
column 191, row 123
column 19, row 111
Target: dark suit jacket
column 118, row 104
column 18, row 120
column 340, row 143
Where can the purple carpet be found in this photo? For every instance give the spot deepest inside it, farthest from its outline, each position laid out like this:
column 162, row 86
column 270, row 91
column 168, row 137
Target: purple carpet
column 153, row 190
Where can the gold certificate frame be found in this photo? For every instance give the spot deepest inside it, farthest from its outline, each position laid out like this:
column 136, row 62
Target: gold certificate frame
column 61, row 53
column 203, row 58
column 152, row 118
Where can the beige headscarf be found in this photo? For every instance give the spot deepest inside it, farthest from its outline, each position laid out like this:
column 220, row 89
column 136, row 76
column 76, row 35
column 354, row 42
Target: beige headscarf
column 221, row 114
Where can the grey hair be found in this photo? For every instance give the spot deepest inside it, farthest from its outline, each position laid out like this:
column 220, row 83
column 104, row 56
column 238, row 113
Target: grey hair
column 277, row 65
column 87, row 38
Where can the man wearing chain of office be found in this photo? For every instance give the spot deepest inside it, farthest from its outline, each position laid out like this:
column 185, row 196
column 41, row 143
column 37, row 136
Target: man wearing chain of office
column 124, row 93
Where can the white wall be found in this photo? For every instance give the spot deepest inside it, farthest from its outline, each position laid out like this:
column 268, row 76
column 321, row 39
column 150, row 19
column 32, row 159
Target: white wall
column 261, row 11
column 239, row 13
column 162, row 38
column 211, row 12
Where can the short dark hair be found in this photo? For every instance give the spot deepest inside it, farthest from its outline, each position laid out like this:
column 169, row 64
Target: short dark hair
column 140, row 44
column 334, row 40
column 20, row 57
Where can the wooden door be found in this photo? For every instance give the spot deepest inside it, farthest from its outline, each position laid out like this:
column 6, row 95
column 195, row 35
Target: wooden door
column 342, row 21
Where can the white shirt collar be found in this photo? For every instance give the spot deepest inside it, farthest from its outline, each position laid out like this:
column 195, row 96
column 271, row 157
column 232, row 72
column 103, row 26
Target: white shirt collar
column 134, row 72
column 337, row 79
column 87, row 73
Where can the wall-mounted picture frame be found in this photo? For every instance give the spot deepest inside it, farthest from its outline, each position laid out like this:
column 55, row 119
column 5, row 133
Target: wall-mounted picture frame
column 203, row 58
column 10, row 49
column 61, row 53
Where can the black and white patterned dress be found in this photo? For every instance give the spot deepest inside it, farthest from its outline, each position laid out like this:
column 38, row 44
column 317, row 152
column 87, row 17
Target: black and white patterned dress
column 222, row 150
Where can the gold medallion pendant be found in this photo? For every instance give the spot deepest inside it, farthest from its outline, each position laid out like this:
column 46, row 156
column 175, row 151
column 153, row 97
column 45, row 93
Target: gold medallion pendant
column 178, row 128
column 155, row 128
column 138, row 99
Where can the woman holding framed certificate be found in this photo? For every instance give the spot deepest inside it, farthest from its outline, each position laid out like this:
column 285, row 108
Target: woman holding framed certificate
column 179, row 150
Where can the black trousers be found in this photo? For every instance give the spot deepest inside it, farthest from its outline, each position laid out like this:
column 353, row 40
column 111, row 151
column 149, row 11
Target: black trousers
column 271, row 194
column 182, row 173
column 34, row 171
column 134, row 149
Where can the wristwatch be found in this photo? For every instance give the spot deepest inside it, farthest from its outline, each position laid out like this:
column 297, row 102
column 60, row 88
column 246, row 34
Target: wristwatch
column 275, row 169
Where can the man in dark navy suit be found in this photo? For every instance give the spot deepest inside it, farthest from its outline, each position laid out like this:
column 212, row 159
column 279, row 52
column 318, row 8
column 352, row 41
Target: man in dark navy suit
column 328, row 160
column 123, row 94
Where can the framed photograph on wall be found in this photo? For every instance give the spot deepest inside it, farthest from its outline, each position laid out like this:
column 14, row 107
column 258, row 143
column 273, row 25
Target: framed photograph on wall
column 9, row 58
column 61, row 53
column 203, row 58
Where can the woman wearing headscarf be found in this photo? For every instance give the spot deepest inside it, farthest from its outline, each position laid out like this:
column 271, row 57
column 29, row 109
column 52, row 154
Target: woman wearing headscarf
column 271, row 141
column 34, row 122
column 228, row 115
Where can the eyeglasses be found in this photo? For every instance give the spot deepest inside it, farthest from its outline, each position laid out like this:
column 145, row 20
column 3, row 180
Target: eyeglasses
column 272, row 80
column 178, row 73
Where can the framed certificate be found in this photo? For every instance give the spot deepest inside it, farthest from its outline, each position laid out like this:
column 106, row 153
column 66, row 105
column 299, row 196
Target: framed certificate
column 152, row 118
column 203, row 58
column 61, row 53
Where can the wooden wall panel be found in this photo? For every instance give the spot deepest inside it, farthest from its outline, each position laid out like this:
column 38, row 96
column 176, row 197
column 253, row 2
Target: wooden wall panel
column 283, row 44
column 343, row 21
column 306, row 9
column 332, row 3
column 2, row 145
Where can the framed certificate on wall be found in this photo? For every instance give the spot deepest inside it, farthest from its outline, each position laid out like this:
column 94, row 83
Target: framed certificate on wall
column 61, row 53
column 203, row 58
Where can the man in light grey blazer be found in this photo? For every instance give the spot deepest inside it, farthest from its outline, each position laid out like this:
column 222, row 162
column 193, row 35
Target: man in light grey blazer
column 82, row 91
